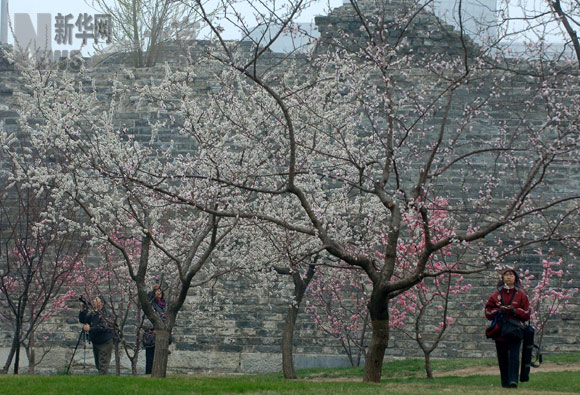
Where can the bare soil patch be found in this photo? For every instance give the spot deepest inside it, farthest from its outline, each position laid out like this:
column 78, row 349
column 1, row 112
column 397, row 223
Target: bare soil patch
column 494, row 370
column 475, row 371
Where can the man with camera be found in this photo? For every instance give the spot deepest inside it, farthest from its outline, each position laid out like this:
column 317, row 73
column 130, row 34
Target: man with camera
column 99, row 324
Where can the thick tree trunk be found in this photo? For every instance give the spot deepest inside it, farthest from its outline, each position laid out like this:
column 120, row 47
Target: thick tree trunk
column 17, row 357
column 287, row 343
column 376, row 352
column 379, row 311
column 161, row 353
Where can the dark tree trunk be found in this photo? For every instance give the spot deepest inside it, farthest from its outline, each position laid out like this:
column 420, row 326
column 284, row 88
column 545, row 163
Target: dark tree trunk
column 134, row 361
column 15, row 345
column 17, row 357
column 161, row 353
column 300, row 286
column 428, row 368
column 376, row 352
column 31, row 352
column 287, row 343
column 117, row 358
column 379, row 311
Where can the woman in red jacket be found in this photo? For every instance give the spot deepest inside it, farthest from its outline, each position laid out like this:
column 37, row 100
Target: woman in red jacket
column 513, row 303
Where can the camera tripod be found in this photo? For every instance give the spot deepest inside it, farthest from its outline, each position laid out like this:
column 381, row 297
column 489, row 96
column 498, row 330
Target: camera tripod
column 83, row 337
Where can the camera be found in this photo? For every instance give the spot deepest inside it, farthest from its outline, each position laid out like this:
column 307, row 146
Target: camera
column 85, row 302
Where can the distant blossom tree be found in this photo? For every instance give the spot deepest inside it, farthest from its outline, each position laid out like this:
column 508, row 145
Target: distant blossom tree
column 549, row 293
column 337, row 301
column 40, row 263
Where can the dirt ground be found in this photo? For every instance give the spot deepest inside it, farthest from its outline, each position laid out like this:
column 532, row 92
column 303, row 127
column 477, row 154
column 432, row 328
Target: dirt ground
column 494, row 370
column 476, row 371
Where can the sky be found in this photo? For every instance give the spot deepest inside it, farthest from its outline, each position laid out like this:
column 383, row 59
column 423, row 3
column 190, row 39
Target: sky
column 76, row 7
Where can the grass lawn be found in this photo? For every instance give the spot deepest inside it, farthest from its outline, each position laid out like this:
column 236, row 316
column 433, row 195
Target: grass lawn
column 400, row 377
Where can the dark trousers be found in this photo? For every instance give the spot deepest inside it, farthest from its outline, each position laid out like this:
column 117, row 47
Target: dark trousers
column 102, row 354
column 508, row 357
column 149, row 353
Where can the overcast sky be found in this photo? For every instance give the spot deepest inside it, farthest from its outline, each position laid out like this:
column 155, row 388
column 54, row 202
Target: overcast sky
column 76, row 7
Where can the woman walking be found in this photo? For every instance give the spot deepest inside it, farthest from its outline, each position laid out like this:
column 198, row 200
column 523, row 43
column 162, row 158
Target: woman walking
column 510, row 301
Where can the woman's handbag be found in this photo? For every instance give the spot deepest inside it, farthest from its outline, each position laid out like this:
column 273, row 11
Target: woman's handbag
column 512, row 330
column 493, row 331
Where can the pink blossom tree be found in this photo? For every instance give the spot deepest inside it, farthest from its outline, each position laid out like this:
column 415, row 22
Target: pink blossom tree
column 40, row 261
column 428, row 309
column 433, row 293
column 111, row 280
column 337, row 302
column 409, row 312
column 549, row 293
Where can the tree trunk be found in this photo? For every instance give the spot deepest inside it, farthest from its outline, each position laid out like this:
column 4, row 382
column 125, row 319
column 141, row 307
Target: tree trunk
column 361, row 352
column 13, row 348
column 379, row 311
column 31, row 353
column 428, row 368
column 287, row 340
column 17, row 356
column 117, row 357
column 134, row 361
column 300, row 286
column 161, row 353
column 376, row 352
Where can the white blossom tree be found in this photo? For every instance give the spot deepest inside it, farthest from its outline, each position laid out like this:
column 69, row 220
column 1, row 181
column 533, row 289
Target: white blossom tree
column 87, row 164
column 343, row 144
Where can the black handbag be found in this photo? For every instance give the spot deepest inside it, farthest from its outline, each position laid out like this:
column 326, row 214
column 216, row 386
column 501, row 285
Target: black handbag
column 512, row 329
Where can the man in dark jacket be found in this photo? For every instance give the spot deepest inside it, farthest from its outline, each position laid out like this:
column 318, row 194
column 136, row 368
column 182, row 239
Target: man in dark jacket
column 99, row 324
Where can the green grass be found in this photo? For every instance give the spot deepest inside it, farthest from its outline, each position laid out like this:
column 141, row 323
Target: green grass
column 401, row 377
column 402, row 368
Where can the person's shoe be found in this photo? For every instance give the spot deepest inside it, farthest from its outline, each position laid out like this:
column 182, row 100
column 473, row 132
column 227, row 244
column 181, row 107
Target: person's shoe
column 513, row 385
